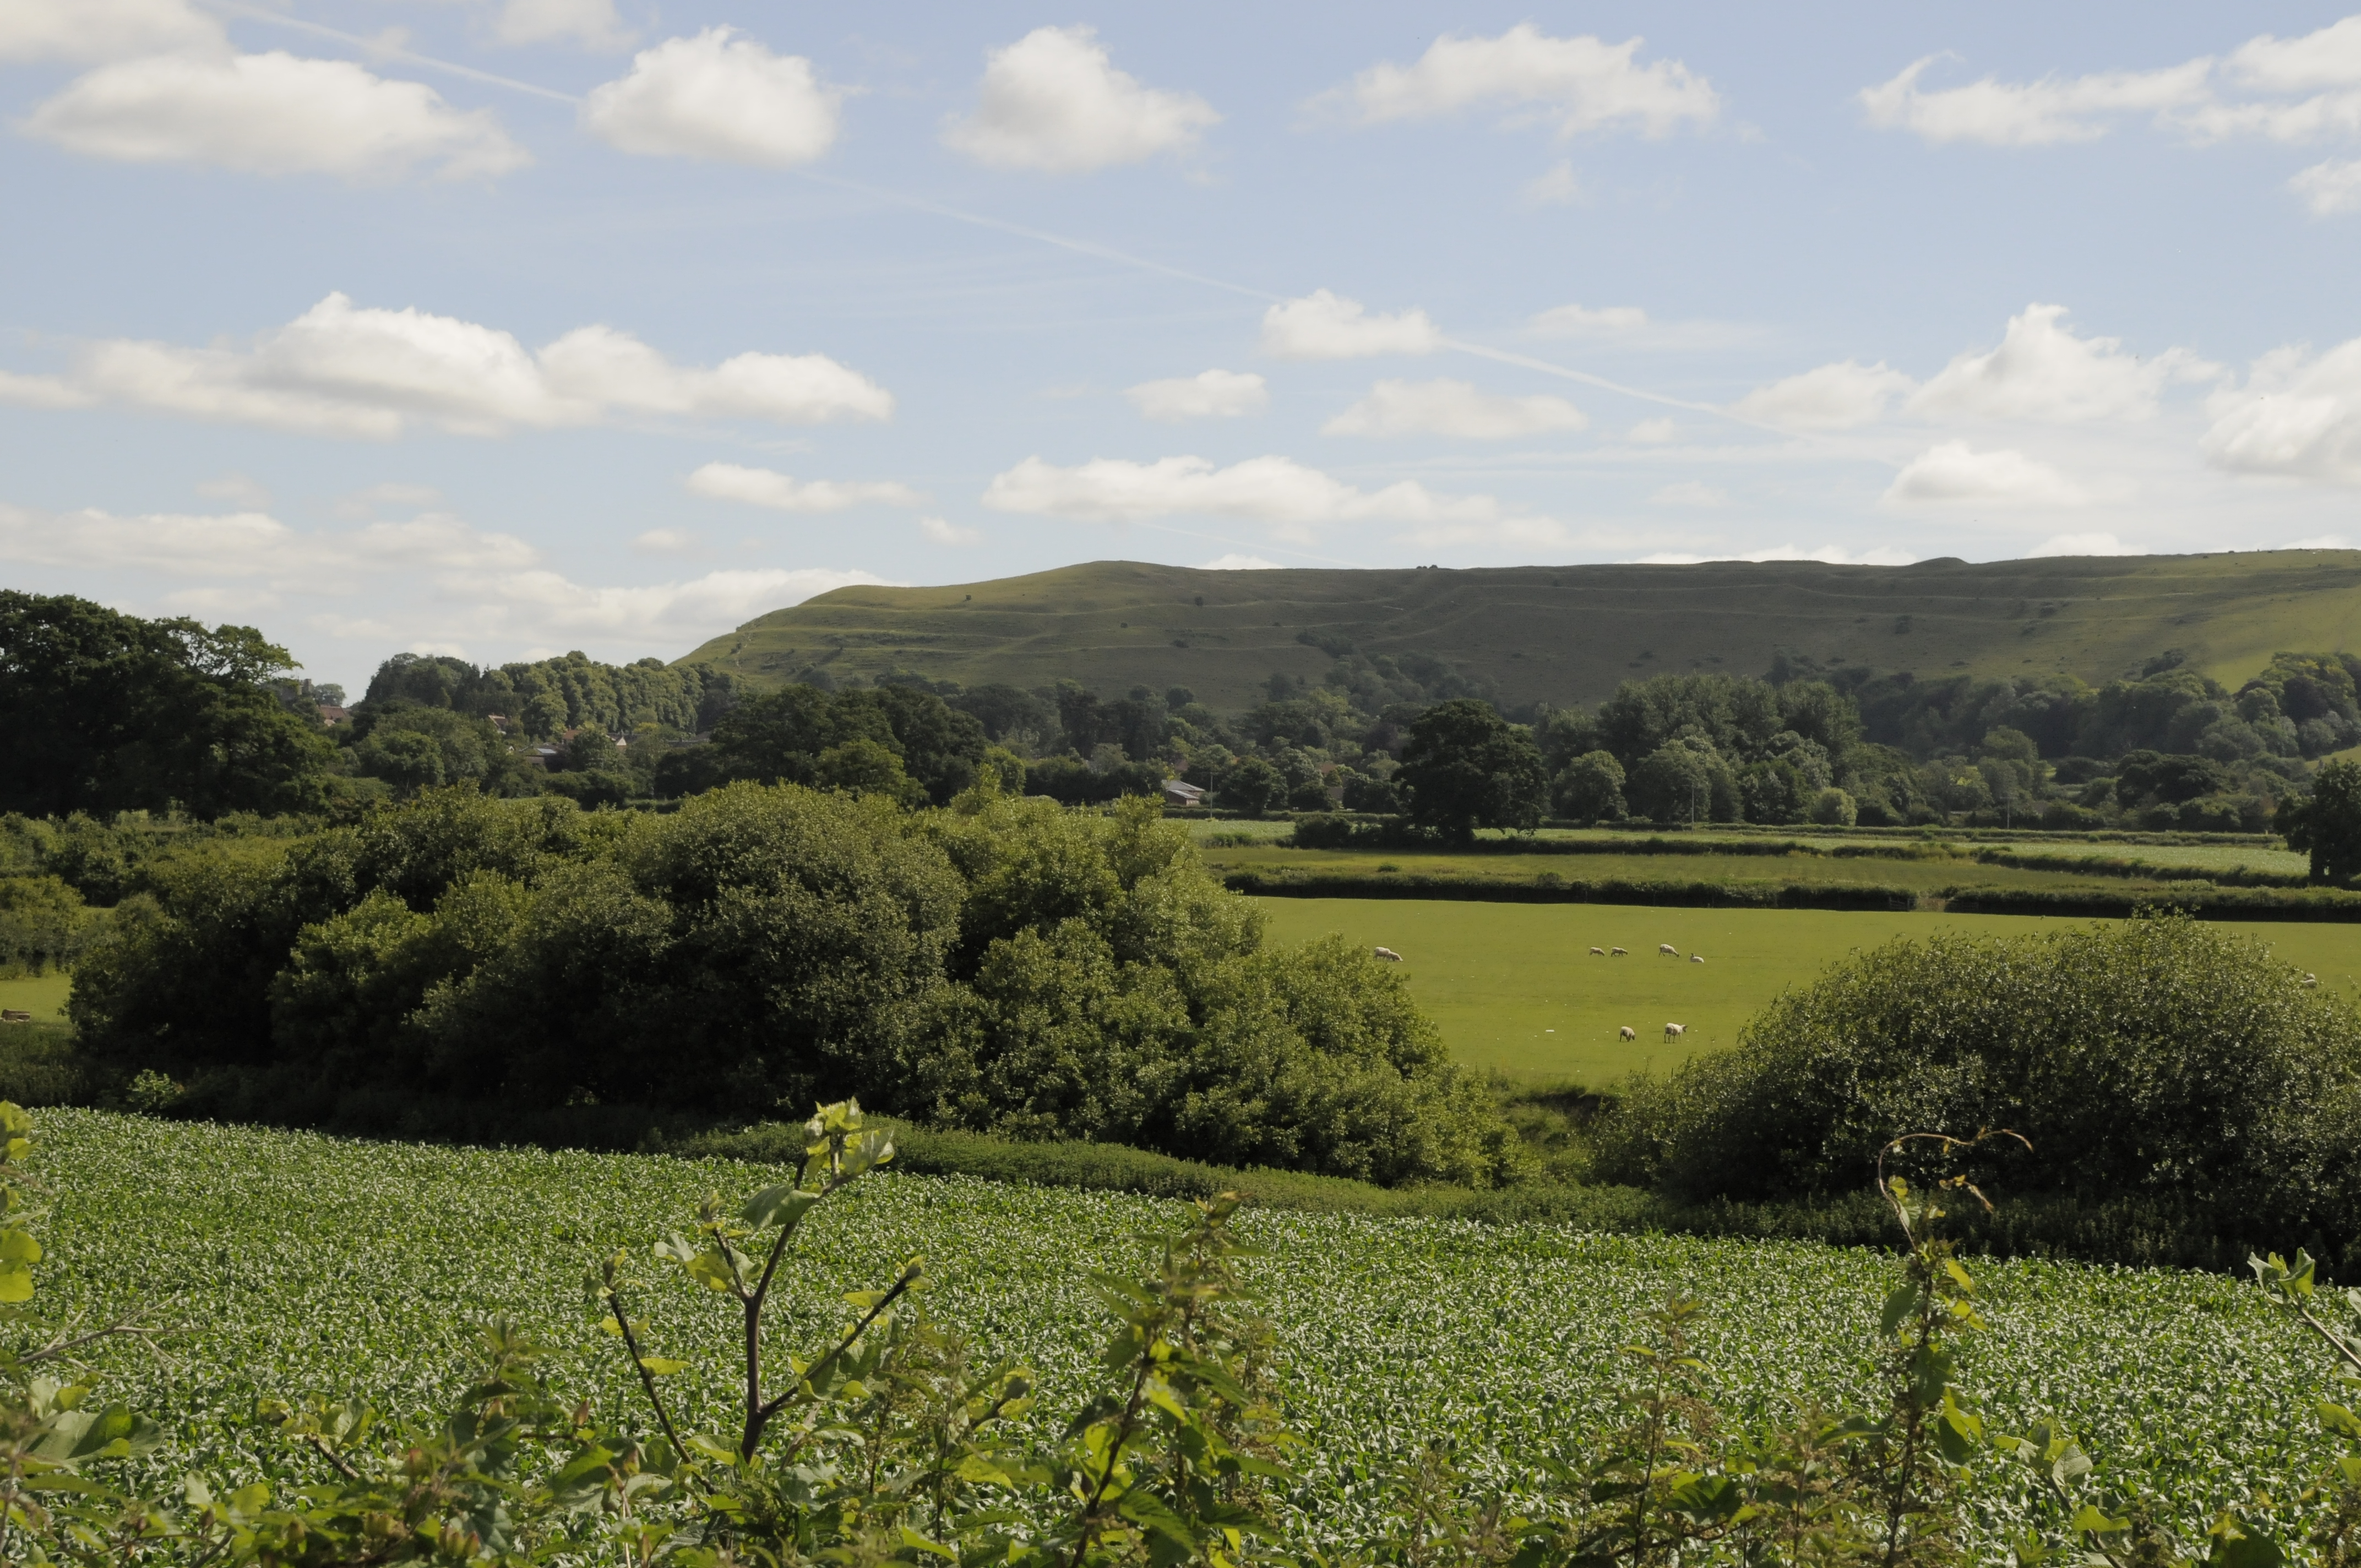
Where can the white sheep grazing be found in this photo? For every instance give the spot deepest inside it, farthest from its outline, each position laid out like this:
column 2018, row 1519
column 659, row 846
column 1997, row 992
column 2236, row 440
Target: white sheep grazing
column 1598, row 952
column 1674, row 1031
column 1391, row 956
column 2309, row 981
column 1619, row 953
column 1627, row 1032
column 1697, row 958
column 1668, row 950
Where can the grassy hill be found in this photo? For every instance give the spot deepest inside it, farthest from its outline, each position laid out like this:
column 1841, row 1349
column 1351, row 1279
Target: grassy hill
column 1566, row 634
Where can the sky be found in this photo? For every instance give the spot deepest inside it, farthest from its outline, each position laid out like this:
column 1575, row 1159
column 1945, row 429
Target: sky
column 501, row 328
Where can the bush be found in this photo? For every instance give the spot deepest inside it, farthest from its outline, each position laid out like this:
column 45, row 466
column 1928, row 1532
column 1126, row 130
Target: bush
column 2159, row 1059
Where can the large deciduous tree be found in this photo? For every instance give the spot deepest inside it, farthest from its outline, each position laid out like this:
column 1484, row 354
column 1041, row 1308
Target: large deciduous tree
column 2328, row 824
column 1466, row 767
column 107, row 712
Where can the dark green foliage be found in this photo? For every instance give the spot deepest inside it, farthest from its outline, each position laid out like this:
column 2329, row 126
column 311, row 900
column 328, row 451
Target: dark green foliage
column 781, row 736
column 1590, row 788
column 1464, row 767
column 1253, row 786
column 1069, row 781
column 1009, row 966
column 416, row 747
column 546, row 697
column 2161, row 1058
column 2328, row 825
column 105, row 712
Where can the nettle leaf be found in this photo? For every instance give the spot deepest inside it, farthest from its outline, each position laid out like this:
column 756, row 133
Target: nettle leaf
column 1898, row 1306
column 785, row 1204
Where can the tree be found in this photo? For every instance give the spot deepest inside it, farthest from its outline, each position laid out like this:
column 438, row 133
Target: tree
column 2328, row 824
column 107, row 712
column 1676, row 783
column 1590, row 787
column 1466, row 767
column 1251, row 786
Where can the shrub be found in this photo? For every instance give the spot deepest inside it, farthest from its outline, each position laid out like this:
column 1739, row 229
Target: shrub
column 2159, row 1059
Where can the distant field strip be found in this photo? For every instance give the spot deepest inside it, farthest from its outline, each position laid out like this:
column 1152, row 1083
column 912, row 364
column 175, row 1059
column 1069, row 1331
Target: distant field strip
column 1512, row 986
column 1917, row 875
column 294, row 1262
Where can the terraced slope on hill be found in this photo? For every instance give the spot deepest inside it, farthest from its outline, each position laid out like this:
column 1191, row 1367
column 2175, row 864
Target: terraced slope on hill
column 1566, row 633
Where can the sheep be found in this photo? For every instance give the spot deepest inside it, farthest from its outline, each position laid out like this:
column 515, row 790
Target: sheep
column 1627, row 1032
column 1391, row 956
column 1598, row 952
column 2309, row 981
column 1667, row 950
column 1619, row 953
column 1674, row 1031
column 1697, row 958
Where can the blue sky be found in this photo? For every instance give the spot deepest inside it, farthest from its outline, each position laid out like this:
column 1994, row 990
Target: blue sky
column 503, row 327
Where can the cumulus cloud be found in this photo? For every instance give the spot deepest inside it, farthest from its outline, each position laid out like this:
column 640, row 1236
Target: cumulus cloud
column 942, row 530
column 665, row 541
column 1833, row 397
column 343, row 370
column 592, row 24
column 2083, row 544
column 42, row 392
column 1321, row 327
column 1580, row 321
column 2329, row 57
column 767, row 487
column 1954, row 471
column 89, row 31
column 717, row 96
column 2030, row 114
column 1445, row 407
column 548, row 604
column 2331, row 187
column 250, row 543
column 2041, row 370
column 2298, row 416
column 1275, row 490
column 1209, row 394
column 1578, row 84
column 1053, row 101
column 271, row 114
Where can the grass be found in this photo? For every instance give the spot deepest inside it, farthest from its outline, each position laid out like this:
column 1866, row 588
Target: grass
column 294, row 1262
column 1867, row 870
column 1566, row 634
column 1513, row 988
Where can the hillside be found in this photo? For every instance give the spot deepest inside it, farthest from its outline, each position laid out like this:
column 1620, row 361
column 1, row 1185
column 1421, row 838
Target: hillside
column 1566, row 633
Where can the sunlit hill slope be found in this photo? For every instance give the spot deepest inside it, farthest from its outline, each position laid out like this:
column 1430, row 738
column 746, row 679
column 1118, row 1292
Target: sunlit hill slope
column 1566, row 633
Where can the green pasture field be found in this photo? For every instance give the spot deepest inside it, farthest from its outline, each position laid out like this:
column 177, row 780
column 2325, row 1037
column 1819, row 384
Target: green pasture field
column 1512, row 986
column 1917, row 875
column 44, row 996
column 293, row 1263
column 2193, row 857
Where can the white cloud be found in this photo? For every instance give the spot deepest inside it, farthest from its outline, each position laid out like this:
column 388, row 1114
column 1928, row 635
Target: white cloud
column 1834, row 556
column 1209, row 394
column 547, row 603
column 2308, row 119
column 237, row 488
column 251, row 543
column 1953, row 471
column 592, row 24
column 2054, row 109
column 42, row 392
column 767, row 487
column 1277, row 491
column 1053, row 101
column 2297, row 417
column 1527, row 533
column 1579, row 321
column 2083, row 544
column 1236, row 563
column 1653, row 432
column 2329, row 57
column 89, row 31
column 1833, row 397
column 271, row 114
column 1321, row 327
column 665, row 541
column 2319, row 542
column 2330, row 188
column 1690, row 493
column 942, row 530
column 717, row 96
column 1449, row 407
column 2041, row 370
column 341, row 370
column 1578, row 84
column 1554, row 187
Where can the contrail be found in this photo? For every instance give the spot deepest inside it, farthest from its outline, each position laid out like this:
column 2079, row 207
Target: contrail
column 1000, row 225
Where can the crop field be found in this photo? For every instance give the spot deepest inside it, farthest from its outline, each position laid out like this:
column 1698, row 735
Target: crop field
column 296, row 1262
column 1512, row 986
